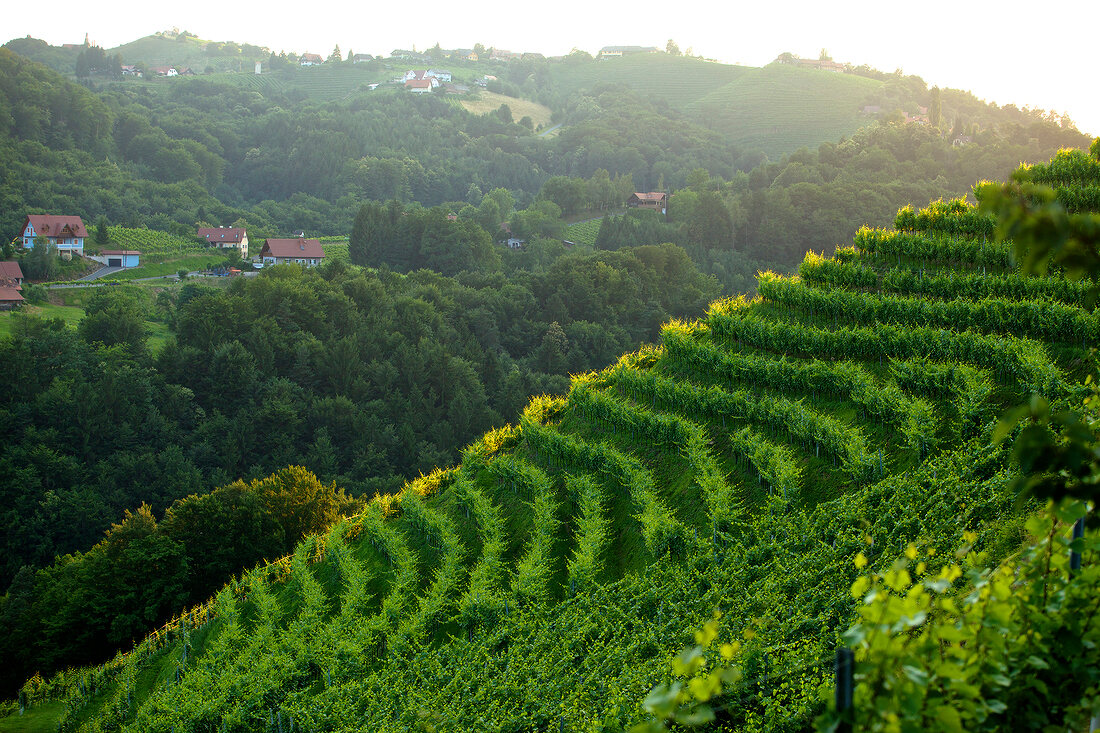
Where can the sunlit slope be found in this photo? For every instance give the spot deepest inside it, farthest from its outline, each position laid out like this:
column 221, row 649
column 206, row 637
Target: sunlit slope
column 780, row 108
column 678, row 80
column 544, row 583
column 776, row 108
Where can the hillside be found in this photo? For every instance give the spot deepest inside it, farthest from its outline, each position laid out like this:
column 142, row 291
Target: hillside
column 776, row 108
column 781, row 108
column 546, row 581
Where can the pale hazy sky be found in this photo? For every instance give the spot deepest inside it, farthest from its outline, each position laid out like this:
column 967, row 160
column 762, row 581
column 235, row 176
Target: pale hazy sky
column 1037, row 54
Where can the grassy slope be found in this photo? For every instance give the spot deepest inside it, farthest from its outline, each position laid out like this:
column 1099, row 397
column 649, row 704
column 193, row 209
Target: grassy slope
column 677, row 80
column 486, row 102
column 776, row 108
column 780, row 108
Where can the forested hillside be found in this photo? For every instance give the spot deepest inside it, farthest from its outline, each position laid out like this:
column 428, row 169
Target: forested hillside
column 172, row 153
column 773, row 460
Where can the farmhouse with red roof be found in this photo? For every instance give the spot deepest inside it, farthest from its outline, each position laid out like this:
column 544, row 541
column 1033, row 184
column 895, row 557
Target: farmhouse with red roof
column 226, row 238
column 11, row 275
column 10, row 298
column 66, row 233
column 302, row 251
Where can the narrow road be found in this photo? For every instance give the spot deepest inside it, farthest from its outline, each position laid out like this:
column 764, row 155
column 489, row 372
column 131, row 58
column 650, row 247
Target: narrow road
column 101, row 272
column 549, row 130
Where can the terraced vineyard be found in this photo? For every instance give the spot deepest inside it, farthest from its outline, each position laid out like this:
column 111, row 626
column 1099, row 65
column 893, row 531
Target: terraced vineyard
column 546, row 581
column 152, row 241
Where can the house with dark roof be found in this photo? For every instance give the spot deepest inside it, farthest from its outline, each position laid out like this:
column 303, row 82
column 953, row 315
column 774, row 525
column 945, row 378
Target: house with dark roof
column 655, row 200
column 306, row 252
column 66, row 233
column 226, row 238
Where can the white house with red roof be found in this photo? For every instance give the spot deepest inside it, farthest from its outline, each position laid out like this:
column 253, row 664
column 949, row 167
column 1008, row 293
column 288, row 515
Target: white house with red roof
column 226, row 238
column 310, row 59
column 66, row 233
column 306, row 252
column 420, row 86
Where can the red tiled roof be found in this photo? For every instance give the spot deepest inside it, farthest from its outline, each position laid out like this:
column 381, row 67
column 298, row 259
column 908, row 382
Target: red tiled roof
column 293, row 248
column 10, row 295
column 10, row 271
column 311, row 57
column 49, row 225
column 418, row 84
column 652, row 196
column 222, row 234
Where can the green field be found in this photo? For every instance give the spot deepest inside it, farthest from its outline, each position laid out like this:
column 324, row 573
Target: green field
column 167, row 266
column 583, row 232
column 38, row 719
column 70, row 314
column 679, row 80
column 318, row 83
column 781, row 108
column 336, row 251
column 777, row 108
column 148, row 242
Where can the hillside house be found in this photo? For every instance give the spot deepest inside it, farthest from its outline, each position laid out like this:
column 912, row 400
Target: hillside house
column 310, row 59
column 124, row 258
column 420, row 86
column 66, row 233
column 10, row 298
column 361, row 58
column 165, row 71
column 11, row 275
column 654, row 200
column 306, row 252
column 226, row 238
column 617, row 51
column 418, row 74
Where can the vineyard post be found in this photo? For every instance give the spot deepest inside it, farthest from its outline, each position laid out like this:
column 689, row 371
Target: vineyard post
column 1074, row 555
column 843, row 671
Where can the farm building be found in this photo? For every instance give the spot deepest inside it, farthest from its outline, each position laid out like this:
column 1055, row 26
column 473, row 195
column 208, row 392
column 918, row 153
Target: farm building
column 121, row 257
column 11, row 275
column 10, row 298
column 66, row 233
column 302, row 251
column 226, row 238
column 655, row 200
